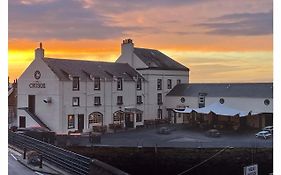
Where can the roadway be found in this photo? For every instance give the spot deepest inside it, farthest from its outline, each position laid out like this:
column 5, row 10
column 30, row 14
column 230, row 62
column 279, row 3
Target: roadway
column 16, row 168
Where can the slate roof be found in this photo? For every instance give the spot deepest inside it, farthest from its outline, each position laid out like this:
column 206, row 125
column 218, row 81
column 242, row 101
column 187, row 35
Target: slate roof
column 83, row 69
column 254, row 90
column 155, row 59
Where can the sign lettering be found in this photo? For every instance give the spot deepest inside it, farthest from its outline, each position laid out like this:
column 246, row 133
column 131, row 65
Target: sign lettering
column 37, row 84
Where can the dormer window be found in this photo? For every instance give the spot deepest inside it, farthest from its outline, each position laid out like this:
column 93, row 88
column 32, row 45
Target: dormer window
column 159, row 84
column 75, row 84
column 119, row 84
column 138, row 84
column 96, row 83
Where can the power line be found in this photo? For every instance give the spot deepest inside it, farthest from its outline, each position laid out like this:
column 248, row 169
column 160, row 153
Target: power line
column 206, row 160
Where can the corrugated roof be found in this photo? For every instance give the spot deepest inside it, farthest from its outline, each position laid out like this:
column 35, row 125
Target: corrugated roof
column 254, row 90
column 155, row 59
column 83, row 69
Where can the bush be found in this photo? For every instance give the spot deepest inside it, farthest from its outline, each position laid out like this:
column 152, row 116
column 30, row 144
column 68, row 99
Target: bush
column 33, row 158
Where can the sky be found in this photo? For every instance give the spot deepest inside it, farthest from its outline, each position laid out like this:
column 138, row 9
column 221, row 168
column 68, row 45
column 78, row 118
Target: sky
column 218, row 40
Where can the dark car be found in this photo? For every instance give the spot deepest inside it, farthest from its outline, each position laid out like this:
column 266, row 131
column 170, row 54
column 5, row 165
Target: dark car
column 164, row 130
column 213, row 133
column 38, row 133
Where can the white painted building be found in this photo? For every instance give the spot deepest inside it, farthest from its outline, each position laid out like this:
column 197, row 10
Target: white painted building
column 161, row 74
column 256, row 98
column 66, row 95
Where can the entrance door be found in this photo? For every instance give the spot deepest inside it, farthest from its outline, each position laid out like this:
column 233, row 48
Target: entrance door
column 80, row 122
column 31, row 103
column 22, row 121
column 129, row 120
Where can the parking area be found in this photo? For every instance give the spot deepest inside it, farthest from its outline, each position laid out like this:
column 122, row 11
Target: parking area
column 182, row 137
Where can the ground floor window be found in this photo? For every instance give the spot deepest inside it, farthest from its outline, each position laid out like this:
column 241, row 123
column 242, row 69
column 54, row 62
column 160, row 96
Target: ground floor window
column 95, row 117
column 139, row 117
column 71, row 121
column 118, row 116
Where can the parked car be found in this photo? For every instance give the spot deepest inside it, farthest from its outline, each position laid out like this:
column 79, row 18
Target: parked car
column 213, row 133
column 268, row 128
column 164, row 130
column 263, row 134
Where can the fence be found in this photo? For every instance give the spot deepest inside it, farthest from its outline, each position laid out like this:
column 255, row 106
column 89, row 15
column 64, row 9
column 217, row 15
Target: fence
column 69, row 161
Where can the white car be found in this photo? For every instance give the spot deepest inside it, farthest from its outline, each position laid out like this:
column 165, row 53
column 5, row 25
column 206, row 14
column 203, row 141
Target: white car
column 263, row 134
column 268, row 128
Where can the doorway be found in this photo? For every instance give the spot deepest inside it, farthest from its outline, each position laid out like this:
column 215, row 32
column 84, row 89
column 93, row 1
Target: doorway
column 80, row 122
column 31, row 103
column 22, row 121
column 129, row 120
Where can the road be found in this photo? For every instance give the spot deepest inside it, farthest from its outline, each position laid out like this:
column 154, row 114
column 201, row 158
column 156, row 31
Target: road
column 16, row 168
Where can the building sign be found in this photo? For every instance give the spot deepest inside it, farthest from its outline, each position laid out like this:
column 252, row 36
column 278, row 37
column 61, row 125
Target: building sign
column 37, row 84
column 251, row 170
column 37, row 75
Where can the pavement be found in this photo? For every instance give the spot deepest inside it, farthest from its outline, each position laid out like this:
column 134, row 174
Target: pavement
column 19, row 166
column 182, row 137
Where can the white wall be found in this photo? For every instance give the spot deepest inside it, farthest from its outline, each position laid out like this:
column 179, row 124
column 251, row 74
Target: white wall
column 48, row 113
column 246, row 104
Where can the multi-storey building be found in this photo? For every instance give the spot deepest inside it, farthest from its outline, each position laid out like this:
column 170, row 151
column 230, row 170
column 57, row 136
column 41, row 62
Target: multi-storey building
column 65, row 95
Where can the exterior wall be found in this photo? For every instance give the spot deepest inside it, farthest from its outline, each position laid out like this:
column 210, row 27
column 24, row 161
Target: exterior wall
column 108, row 93
column 151, row 76
column 132, row 60
column 48, row 113
column 256, row 105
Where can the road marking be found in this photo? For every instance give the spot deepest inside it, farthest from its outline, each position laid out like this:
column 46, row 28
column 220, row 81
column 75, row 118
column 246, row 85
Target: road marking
column 38, row 173
column 14, row 157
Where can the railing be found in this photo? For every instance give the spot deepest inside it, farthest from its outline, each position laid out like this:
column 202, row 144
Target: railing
column 69, row 161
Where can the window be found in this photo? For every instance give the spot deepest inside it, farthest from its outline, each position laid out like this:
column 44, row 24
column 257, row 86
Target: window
column 169, row 84
column 119, row 84
column 119, row 100
column 266, row 102
column 75, row 84
column 71, row 121
column 159, row 99
column 159, row 113
column 118, row 116
column 139, row 84
column 159, row 84
column 97, row 83
column 221, row 101
column 201, row 99
column 97, row 101
column 178, row 81
column 182, row 99
column 75, row 101
column 139, row 99
column 139, row 117
column 95, row 117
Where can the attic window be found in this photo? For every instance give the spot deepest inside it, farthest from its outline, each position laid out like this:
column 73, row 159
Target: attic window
column 75, row 84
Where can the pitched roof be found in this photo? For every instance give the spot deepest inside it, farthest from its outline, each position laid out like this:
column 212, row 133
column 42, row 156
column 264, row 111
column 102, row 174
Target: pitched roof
column 155, row 59
column 84, row 69
column 254, row 90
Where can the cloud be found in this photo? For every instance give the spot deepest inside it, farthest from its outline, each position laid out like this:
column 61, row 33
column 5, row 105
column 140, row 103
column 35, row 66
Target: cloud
column 64, row 19
column 241, row 24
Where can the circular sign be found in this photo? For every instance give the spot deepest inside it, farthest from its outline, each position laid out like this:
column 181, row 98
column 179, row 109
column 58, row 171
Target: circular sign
column 37, row 74
column 221, row 101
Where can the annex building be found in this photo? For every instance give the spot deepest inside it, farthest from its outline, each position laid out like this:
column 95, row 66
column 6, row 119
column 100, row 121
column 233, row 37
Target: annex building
column 143, row 84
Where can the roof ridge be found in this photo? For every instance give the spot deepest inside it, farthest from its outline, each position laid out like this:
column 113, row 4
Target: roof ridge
column 93, row 61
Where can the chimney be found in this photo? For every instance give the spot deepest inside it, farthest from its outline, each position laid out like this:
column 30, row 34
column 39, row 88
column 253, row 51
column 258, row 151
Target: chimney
column 39, row 52
column 127, row 49
column 127, row 46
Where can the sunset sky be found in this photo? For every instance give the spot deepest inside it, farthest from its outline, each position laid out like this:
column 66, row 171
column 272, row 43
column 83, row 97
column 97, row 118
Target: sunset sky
column 219, row 40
